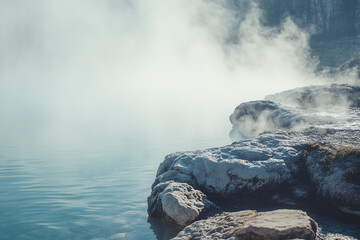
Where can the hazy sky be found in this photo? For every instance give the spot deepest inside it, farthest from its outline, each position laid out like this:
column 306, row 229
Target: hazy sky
column 104, row 69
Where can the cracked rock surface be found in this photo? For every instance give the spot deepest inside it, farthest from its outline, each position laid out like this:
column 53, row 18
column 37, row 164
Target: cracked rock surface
column 250, row 224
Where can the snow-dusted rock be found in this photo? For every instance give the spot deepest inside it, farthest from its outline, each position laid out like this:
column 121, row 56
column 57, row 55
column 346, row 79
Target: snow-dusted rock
column 242, row 167
column 272, row 225
column 251, row 118
column 265, row 164
column 276, row 165
column 295, row 109
column 178, row 203
column 341, row 95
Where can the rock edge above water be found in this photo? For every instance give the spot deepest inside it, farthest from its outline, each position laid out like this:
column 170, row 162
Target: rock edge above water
column 318, row 163
column 272, row 225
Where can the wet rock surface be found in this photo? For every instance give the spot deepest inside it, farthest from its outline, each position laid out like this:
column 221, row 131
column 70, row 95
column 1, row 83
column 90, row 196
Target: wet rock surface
column 272, row 225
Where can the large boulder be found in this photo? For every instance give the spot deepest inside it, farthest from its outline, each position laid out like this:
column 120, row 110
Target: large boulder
column 178, row 203
column 296, row 109
column 273, row 225
column 242, row 167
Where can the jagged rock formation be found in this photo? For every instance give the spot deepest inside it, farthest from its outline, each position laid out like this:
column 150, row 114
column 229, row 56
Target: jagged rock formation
column 266, row 163
column 321, row 162
column 273, row 225
column 296, row 109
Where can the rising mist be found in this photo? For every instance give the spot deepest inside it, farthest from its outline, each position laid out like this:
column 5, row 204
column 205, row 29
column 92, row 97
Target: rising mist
column 73, row 71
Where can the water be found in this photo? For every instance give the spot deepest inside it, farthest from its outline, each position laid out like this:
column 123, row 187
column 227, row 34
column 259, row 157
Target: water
column 97, row 191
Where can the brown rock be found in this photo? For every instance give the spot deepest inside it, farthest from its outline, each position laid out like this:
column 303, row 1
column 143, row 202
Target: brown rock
column 252, row 225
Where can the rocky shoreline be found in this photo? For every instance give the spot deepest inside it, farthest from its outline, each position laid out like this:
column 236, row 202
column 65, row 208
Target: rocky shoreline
column 294, row 149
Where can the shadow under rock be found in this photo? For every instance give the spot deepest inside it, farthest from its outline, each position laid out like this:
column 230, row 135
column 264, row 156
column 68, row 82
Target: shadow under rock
column 162, row 230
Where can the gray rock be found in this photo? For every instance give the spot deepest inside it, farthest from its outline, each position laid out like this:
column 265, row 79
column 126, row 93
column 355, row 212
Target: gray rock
column 278, row 224
column 177, row 203
column 265, row 163
column 251, row 118
column 341, row 95
column 276, row 165
column 246, row 166
column 296, row 109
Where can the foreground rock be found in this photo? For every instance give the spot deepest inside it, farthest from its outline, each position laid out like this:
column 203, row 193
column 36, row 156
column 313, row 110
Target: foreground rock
column 273, row 225
column 178, row 203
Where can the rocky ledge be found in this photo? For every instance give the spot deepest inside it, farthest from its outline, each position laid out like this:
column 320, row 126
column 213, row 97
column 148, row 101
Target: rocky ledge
column 317, row 164
column 250, row 224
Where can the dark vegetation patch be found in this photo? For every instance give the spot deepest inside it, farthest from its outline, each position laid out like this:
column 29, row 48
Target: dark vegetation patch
column 347, row 156
column 334, row 154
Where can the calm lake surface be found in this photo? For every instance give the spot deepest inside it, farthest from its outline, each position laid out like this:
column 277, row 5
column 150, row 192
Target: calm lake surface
column 97, row 191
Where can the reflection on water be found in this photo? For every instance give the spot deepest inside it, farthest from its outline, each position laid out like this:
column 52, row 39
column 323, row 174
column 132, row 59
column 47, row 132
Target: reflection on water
column 94, row 192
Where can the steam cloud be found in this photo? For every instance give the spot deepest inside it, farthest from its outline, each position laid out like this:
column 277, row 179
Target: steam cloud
column 103, row 69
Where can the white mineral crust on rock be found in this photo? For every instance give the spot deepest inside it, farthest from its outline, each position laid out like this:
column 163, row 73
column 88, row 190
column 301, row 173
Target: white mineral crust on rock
column 272, row 163
column 246, row 166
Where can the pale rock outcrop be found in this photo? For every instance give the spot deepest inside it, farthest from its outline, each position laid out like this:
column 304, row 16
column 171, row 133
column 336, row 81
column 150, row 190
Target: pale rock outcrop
column 264, row 164
column 297, row 109
column 178, row 203
column 246, row 166
column 272, row 225
column 321, row 97
column 276, row 165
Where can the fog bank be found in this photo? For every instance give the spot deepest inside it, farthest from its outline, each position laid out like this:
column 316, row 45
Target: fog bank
column 114, row 70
